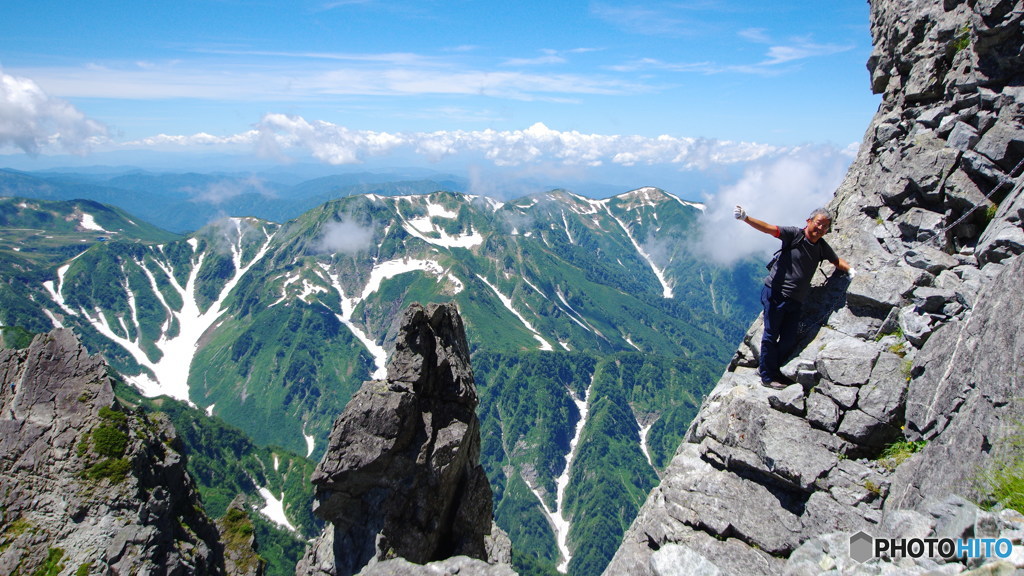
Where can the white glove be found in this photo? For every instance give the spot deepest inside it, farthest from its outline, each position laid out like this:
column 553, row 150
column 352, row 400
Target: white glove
column 739, row 213
column 851, row 272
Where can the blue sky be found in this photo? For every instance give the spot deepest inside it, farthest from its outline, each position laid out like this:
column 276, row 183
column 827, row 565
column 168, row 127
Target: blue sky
column 581, row 85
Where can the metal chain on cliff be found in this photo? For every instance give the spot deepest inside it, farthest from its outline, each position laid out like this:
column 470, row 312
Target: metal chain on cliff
column 942, row 233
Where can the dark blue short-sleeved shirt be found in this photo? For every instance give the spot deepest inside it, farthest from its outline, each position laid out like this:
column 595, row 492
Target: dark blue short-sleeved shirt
column 792, row 273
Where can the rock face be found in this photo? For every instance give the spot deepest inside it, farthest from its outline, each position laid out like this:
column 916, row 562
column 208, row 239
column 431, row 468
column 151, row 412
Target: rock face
column 401, row 478
column 85, row 485
column 924, row 344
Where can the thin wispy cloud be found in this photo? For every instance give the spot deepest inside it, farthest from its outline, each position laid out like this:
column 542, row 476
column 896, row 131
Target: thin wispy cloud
column 800, row 51
column 794, row 49
column 392, row 58
column 643, row 19
column 759, row 35
column 547, row 57
column 377, row 75
column 769, row 65
column 341, row 3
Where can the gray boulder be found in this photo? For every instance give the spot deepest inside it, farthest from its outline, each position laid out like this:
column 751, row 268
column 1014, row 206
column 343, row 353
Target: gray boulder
column 461, row 565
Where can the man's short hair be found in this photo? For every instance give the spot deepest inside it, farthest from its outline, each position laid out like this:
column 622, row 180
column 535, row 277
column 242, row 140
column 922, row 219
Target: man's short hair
column 820, row 212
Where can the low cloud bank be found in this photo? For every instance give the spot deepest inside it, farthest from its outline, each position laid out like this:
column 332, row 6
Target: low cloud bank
column 279, row 135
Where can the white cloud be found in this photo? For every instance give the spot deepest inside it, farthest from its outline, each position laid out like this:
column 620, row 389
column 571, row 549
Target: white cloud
column 197, row 139
column 32, row 120
column 547, row 57
column 326, row 142
column 644, row 18
column 344, row 236
column 782, row 191
column 221, row 191
column 281, row 135
column 759, row 35
column 801, row 50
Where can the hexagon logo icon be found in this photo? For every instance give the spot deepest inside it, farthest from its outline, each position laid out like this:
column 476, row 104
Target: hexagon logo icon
column 861, row 547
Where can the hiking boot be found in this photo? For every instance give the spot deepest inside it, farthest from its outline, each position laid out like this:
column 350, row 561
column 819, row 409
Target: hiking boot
column 774, row 384
column 777, row 382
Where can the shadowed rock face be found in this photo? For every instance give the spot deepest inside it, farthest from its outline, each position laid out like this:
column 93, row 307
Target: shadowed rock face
column 85, row 480
column 401, row 476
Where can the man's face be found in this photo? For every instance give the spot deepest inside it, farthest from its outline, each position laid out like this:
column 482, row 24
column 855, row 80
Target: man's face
column 817, row 227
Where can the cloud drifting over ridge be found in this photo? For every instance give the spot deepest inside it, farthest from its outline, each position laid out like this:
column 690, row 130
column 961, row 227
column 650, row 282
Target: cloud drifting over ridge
column 31, row 120
column 781, row 191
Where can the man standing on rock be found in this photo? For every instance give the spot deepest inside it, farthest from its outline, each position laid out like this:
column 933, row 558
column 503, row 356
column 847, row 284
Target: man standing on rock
column 787, row 285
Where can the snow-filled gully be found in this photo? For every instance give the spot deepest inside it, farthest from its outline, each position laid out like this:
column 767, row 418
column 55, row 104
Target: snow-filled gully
column 559, row 523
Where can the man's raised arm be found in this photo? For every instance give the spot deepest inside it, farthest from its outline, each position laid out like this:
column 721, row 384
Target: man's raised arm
column 756, row 224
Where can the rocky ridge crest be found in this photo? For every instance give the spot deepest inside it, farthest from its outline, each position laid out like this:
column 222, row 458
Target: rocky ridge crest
column 923, row 345
column 87, row 486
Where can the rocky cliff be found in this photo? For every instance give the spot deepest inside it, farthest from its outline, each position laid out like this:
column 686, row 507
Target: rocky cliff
column 401, row 483
column 923, row 347
column 86, row 486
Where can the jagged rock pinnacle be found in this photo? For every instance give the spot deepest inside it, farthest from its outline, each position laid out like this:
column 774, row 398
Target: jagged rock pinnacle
column 402, row 477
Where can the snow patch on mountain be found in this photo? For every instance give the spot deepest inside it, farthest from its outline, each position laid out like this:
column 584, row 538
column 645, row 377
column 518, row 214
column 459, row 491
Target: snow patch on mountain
column 666, row 288
column 439, row 211
column 425, row 229
column 380, row 272
column 576, row 316
column 89, row 223
column 568, row 232
column 561, row 524
column 631, row 343
column 643, row 441
column 274, row 509
column 393, row 268
column 170, row 372
column 544, row 344
column 55, row 290
column 310, row 442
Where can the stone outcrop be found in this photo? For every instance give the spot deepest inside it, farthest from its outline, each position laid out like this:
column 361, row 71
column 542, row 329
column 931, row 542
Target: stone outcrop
column 87, row 486
column 238, row 535
column 401, row 483
column 924, row 344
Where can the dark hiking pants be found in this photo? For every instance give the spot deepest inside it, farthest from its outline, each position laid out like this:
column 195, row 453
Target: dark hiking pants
column 781, row 322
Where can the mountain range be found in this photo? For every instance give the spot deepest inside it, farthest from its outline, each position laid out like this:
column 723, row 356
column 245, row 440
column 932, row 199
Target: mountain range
column 594, row 331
